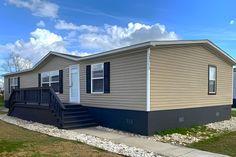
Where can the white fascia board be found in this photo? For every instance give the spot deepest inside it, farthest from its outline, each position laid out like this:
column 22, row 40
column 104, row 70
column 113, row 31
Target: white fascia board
column 137, row 46
column 148, row 103
column 64, row 56
column 179, row 42
column 222, row 52
column 159, row 43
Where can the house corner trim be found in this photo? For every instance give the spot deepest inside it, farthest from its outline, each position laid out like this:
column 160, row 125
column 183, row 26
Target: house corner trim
column 148, row 81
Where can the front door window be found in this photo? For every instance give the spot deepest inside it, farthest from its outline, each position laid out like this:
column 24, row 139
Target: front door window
column 74, row 84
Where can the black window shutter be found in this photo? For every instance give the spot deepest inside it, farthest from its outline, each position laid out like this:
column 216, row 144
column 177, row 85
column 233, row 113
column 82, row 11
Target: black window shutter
column 61, row 81
column 18, row 82
column 9, row 87
column 107, row 77
column 39, row 80
column 88, row 78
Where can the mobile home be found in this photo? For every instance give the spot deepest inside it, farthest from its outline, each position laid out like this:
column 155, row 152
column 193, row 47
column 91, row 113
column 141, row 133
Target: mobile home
column 143, row 88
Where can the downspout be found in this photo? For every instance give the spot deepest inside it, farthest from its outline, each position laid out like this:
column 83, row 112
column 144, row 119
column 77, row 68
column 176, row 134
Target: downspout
column 148, row 81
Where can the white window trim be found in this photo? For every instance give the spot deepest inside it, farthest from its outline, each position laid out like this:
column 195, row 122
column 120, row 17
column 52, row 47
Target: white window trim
column 92, row 65
column 13, row 85
column 50, row 81
column 212, row 66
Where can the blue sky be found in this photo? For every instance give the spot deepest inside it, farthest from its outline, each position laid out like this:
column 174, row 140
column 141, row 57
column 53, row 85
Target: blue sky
column 32, row 28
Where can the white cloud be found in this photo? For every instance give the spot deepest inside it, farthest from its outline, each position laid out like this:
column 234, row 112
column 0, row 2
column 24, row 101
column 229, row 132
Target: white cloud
column 113, row 36
column 82, row 54
column 63, row 25
column 39, row 8
column 231, row 22
column 40, row 24
column 40, row 43
column 44, row 37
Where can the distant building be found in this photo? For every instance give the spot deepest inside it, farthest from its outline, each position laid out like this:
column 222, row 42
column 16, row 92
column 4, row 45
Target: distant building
column 234, row 89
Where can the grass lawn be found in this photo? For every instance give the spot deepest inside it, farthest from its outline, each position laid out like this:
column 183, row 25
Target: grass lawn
column 1, row 101
column 1, row 105
column 16, row 141
column 189, row 131
column 223, row 144
column 233, row 113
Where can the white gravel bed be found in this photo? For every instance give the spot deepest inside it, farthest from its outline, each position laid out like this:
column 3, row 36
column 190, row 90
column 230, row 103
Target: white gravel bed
column 87, row 139
column 179, row 139
column 227, row 125
column 176, row 139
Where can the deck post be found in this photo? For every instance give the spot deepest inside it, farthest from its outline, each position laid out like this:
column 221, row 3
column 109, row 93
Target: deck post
column 40, row 96
column 24, row 97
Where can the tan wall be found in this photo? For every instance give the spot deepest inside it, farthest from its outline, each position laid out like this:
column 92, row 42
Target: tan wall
column 179, row 78
column 30, row 79
column 127, row 82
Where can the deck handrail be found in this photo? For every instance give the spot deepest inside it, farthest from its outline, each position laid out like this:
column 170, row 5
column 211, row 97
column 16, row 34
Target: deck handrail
column 39, row 96
column 42, row 88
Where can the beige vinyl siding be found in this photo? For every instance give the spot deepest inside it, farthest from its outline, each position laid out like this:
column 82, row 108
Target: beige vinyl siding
column 127, row 82
column 179, row 78
column 27, row 80
column 6, row 90
column 30, row 79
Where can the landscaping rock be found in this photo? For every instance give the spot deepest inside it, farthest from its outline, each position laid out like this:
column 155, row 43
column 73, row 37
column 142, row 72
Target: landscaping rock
column 227, row 125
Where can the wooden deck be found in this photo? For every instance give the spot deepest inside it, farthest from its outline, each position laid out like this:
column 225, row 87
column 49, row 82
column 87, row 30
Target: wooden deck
column 43, row 105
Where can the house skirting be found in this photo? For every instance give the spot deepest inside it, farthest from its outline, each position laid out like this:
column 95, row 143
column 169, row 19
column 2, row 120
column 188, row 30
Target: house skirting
column 139, row 122
column 126, row 120
column 162, row 120
column 6, row 102
column 34, row 113
column 148, row 123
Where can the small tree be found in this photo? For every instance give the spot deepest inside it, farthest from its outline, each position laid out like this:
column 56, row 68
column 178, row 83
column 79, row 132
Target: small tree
column 15, row 62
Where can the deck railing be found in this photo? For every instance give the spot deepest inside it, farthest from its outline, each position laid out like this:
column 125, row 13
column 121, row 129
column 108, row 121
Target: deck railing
column 39, row 96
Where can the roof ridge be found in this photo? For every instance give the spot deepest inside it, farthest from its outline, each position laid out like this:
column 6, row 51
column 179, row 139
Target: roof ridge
column 66, row 54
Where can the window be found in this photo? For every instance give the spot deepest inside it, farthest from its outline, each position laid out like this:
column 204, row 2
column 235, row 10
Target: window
column 212, row 72
column 97, row 78
column 13, row 83
column 50, row 79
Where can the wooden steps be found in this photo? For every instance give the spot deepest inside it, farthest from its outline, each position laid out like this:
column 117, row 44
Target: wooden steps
column 76, row 116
